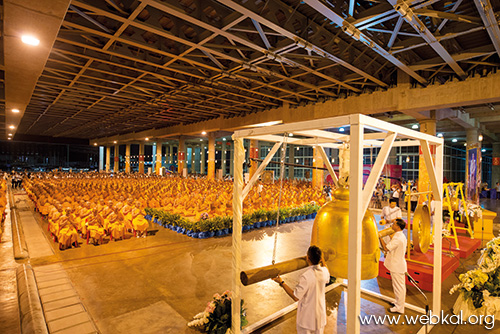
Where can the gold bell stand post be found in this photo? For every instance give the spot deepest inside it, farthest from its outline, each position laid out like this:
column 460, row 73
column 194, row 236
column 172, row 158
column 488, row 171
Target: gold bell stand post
column 313, row 133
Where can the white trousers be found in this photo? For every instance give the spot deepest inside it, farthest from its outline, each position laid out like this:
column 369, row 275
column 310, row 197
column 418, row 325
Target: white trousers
column 301, row 330
column 399, row 287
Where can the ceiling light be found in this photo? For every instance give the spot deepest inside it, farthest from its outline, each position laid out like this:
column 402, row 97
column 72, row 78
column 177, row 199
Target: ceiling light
column 465, row 144
column 30, row 40
column 114, row 142
column 264, row 124
column 440, row 135
column 201, row 139
column 12, row 127
column 290, row 135
column 414, row 126
column 9, row 138
column 10, row 134
column 223, row 139
column 480, row 138
column 341, row 129
column 204, row 133
column 454, row 140
column 407, row 159
column 15, row 110
column 147, row 138
column 95, row 144
column 483, row 150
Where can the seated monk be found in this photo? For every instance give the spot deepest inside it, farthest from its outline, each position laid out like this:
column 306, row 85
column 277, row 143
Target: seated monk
column 54, row 216
column 82, row 215
column 116, row 225
column 138, row 221
column 68, row 233
column 95, row 227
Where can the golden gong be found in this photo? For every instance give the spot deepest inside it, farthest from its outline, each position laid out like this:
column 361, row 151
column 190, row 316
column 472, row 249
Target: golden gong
column 330, row 233
column 421, row 234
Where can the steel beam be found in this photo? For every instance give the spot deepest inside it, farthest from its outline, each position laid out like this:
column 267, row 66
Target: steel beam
column 411, row 18
column 490, row 22
column 358, row 35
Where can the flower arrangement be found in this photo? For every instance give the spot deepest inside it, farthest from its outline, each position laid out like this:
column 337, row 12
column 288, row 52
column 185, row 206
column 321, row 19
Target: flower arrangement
column 473, row 210
column 481, row 284
column 216, row 318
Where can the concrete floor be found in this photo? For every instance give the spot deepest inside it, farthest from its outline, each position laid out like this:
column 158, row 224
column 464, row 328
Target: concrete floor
column 157, row 284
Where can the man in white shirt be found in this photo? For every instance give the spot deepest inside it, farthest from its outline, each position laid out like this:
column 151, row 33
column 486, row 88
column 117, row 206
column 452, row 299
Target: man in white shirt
column 390, row 213
column 310, row 293
column 396, row 263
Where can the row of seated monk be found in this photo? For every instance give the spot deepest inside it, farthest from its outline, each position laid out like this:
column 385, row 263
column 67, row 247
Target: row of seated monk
column 114, row 220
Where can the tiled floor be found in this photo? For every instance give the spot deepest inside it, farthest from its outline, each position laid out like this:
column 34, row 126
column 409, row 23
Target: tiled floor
column 156, row 284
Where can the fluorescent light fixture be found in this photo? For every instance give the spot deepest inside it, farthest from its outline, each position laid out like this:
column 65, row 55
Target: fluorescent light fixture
column 15, row 110
column 414, row 126
column 440, row 135
column 12, row 127
column 341, row 129
column 264, row 124
column 30, row 40
column 454, row 140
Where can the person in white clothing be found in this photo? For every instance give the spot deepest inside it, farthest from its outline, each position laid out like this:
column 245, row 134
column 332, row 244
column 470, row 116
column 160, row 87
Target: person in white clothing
column 310, row 293
column 396, row 263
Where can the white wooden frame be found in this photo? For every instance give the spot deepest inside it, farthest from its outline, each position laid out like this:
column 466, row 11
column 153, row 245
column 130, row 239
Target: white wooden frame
column 359, row 198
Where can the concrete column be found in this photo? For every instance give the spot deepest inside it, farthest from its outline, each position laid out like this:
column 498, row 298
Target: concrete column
column 211, row 156
column 192, row 159
column 170, row 156
column 291, row 159
column 181, row 156
column 101, row 158
column 223, row 156
column 495, row 169
column 253, row 154
column 427, row 126
column 203, row 159
column 231, row 159
column 141, row 158
column 116, row 165
column 108, row 158
column 317, row 174
column 127, row 158
column 158, row 157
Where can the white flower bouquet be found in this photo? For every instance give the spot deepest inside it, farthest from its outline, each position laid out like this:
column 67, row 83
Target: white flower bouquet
column 481, row 286
column 216, row 318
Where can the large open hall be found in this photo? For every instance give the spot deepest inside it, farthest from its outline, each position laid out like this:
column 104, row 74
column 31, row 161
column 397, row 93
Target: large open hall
column 250, row 166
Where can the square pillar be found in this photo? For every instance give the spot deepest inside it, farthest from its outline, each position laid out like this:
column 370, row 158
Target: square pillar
column 291, row 158
column 223, row 155
column 317, row 174
column 427, row 126
column 116, row 165
column 108, row 158
column 158, row 158
column 495, row 169
column 254, row 154
column 141, row 158
column 211, row 156
column 181, row 156
column 101, row 158
column 203, row 159
column 192, row 159
column 127, row 158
